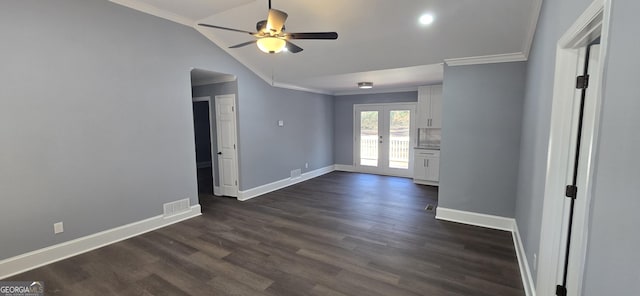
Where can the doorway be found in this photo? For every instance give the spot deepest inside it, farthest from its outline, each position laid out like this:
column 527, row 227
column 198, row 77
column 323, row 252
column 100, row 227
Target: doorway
column 572, row 150
column 202, row 132
column 212, row 177
column 383, row 137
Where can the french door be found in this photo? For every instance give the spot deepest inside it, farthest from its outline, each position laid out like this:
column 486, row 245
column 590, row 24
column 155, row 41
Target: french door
column 383, row 138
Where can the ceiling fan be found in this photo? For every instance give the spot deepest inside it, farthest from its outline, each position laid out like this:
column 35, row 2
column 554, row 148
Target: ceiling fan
column 271, row 36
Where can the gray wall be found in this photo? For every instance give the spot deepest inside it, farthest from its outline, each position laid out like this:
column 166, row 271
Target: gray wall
column 269, row 152
column 96, row 120
column 556, row 16
column 613, row 260
column 612, row 256
column 213, row 90
column 343, row 119
column 481, row 115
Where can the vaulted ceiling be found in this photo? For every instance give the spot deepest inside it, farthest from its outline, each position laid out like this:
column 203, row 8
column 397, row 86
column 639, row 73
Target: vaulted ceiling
column 379, row 40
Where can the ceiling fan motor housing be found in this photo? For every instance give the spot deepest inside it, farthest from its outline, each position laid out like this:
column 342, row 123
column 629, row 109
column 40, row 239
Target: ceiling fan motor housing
column 261, row 26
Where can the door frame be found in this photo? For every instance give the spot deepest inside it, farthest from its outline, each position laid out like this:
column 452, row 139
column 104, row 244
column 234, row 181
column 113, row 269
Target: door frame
column 216, row 189
column 236, row 171
column 412, row 136
column 559, row 158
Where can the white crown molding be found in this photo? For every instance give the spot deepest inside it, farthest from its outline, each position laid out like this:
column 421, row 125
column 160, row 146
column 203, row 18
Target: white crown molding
column 376, row 91
column 300, row 88
column 152, row 10
column 536, row 6
column 214, row 80
column 488, row 59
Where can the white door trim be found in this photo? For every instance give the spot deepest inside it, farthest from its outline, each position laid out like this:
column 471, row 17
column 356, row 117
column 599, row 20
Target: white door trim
column 234, row 135
column 211, row 135
column 592, row 23
column 201, row 99
column 356, row 151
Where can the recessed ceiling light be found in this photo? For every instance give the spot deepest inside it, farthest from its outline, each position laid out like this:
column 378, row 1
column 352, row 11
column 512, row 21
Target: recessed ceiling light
column 365, row 85
column 426, row 19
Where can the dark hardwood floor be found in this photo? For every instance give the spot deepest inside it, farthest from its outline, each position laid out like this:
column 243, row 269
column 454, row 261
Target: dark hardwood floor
column 338, row 234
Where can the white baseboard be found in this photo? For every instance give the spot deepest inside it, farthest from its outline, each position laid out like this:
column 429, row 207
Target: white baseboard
column 344, row 168
column 494, row 222
column 525, row 271
column 21, row 263
column 264, row 189
column 477, row 219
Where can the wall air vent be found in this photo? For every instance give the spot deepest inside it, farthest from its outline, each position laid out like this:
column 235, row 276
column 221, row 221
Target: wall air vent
column 176, row 207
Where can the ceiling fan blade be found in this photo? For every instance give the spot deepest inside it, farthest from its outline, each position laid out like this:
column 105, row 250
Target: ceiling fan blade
column 316, row 35
column 292, row 48
column 228, row 29
column 275, row 20
column 243, row 44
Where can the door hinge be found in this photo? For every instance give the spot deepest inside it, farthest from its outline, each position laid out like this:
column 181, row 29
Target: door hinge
column 233, row 109
column 561, row 290
column 234, row 146
column 236, row 182
column 571, row 191
column 582, row 82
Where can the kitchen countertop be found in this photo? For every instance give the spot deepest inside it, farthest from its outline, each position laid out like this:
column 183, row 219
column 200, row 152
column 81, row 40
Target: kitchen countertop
column 427, row 147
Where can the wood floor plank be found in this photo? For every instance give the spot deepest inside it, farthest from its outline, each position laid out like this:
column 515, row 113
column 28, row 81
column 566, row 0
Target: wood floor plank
column 338, row 234
column 228, row 270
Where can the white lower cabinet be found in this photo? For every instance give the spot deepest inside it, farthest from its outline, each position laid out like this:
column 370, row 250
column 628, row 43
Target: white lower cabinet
column 426, row 167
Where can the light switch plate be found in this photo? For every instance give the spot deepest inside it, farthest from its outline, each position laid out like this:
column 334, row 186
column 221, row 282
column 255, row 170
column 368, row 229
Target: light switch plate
column 280, row 122
column 58, row 228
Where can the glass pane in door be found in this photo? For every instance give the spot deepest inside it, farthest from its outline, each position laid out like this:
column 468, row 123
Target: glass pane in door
column 399, row 128
column 369, row 138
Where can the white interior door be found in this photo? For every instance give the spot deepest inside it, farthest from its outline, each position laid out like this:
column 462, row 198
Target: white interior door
column 384, row 135
column 227, row 144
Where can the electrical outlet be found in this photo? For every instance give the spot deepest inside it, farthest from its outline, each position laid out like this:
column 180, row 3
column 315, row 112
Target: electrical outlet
column 535, row 261
column 306, row 165
column 58, row 228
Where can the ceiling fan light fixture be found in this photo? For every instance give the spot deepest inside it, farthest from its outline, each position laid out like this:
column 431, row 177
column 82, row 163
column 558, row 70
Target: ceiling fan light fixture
column 271, row 44
column 365, row 85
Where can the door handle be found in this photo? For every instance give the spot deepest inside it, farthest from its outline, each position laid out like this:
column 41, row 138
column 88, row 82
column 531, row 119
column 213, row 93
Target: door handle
column 219, row 153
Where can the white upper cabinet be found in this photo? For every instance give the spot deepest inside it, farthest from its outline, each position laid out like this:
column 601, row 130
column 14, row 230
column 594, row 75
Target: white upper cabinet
column 435, row 109
column 429, row 106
